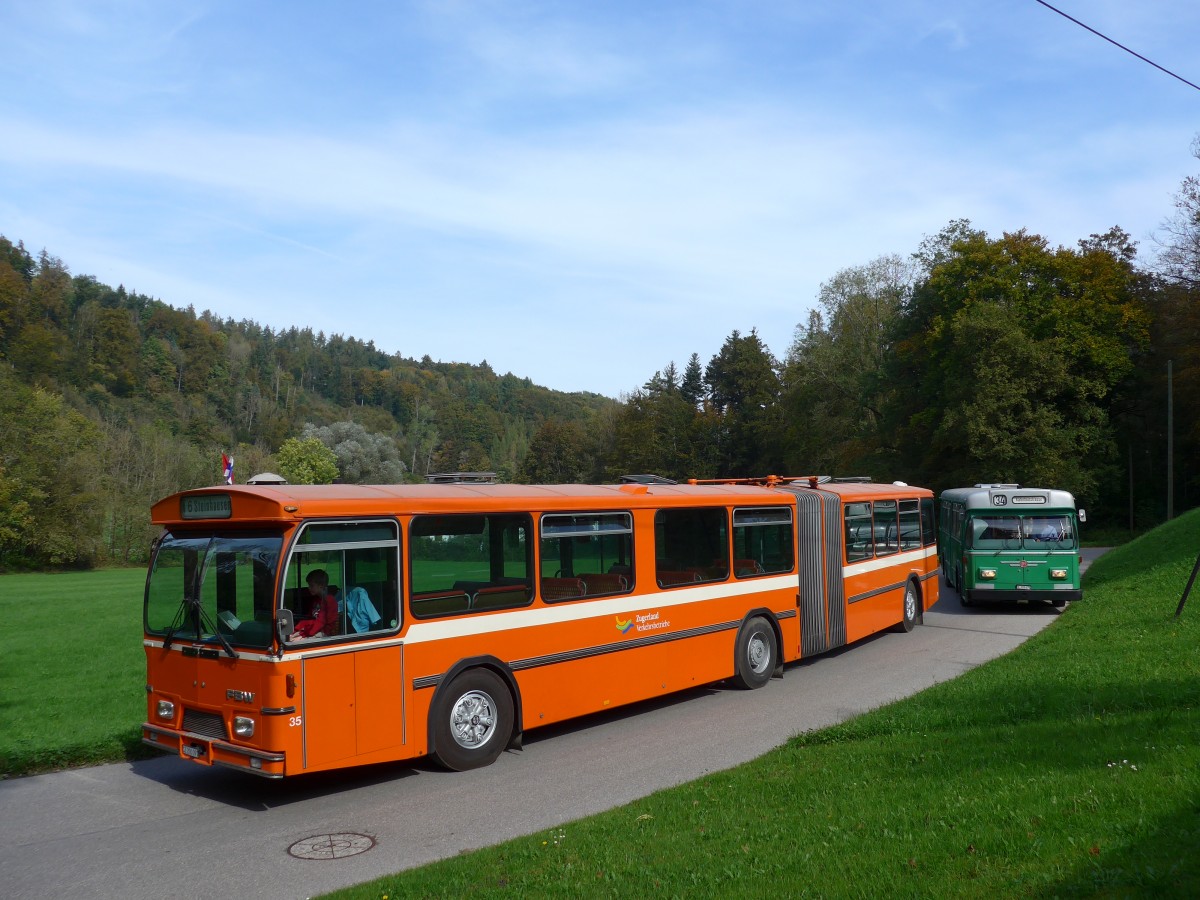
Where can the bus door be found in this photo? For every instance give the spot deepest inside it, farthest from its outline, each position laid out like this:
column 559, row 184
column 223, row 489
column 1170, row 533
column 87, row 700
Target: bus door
column 352, row 699
column 352, row 702
column 819, row 557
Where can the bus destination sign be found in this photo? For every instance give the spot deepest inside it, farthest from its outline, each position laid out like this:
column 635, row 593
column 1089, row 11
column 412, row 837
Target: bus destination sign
column 206, row 506
column 1028, row 499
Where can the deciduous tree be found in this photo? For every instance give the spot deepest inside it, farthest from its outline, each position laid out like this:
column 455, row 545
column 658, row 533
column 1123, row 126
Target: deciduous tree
column 307, row 461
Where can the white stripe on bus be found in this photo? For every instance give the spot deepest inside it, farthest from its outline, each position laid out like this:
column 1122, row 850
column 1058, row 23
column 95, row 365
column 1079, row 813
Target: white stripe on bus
column 886, row 562
column 577, row 610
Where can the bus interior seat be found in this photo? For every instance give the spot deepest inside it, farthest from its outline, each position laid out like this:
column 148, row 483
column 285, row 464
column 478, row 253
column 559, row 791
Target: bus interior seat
column 500, row 596
column 562, row 588
column 743, row 567
column 610, row 583
column 437, row 603
column 668, row 577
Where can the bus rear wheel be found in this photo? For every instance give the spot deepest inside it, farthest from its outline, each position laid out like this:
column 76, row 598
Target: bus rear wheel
column 755, row 654
column 963, row 597
column 912, row 608
column 472, row 720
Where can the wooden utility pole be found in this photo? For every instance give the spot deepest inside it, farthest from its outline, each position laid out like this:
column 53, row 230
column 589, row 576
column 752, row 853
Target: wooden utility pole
column 1170, row 444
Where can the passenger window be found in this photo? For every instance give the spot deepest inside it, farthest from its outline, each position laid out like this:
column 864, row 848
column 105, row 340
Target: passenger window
column 470, row 563
column 860, row 538
column 359, row 563
column 586, row 555
column 887, row 528
column 910, row 525
column 690, row 546
column 928, row 525
column 762, row 541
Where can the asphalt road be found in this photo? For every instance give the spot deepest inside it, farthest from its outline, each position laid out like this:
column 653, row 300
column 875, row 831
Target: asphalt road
column 165, row 827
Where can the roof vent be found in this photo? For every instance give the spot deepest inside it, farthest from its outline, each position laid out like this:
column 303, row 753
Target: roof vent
column 646, row 479
column 461, row 478
column 267, row 478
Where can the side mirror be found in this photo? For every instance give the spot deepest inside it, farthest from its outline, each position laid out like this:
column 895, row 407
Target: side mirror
column 285, row 625
column 1083, row 515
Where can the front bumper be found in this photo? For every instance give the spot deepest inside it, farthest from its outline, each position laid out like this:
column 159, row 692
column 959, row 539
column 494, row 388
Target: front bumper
column 210, row 752
column 984, row 595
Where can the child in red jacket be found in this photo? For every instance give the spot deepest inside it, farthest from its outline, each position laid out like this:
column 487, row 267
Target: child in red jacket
column 320, row 610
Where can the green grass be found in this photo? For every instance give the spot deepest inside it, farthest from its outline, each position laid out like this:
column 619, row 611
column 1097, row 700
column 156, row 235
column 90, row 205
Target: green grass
column 72, row 669
column 1107, row 535
column 1068, row 768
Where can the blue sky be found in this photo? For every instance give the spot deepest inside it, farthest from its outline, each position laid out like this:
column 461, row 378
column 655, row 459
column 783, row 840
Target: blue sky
column 581, row 192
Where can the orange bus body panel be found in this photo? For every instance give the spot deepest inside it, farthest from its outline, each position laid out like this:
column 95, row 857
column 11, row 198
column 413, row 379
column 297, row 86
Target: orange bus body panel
column 347, row 702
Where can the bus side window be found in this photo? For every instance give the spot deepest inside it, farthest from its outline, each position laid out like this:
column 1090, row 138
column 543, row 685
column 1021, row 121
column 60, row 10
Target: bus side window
column 860, row 540
column 910, row 525
column 887, row 538
column 762, row 541
column 928, row 525
column 467, row 562
column 585, row 555
column 362, row 562
column 691, row 545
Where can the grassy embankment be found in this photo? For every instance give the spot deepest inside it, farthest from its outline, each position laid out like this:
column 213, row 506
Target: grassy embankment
column 1070, row 767
column 72, row 669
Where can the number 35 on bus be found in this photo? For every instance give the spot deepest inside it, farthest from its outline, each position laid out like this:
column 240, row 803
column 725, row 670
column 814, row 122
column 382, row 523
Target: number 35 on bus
column 294, row 629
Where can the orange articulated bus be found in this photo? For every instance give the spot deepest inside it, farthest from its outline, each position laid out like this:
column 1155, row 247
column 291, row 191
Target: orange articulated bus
column 452, row 618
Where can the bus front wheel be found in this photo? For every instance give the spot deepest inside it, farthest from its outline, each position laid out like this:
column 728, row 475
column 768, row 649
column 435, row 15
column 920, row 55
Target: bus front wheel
column 755, row 654
column 472, row 720
column 963, row 597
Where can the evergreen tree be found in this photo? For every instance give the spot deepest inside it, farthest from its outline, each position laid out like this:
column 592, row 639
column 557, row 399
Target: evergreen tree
column 743, row 387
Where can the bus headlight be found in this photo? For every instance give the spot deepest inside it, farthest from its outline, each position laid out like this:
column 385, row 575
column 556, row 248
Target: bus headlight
column 243, row 726
column 165, row 710
column 1058, row 574
column 987, row 574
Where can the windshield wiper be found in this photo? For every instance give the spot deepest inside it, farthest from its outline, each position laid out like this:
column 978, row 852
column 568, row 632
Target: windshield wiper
column 181, row 616
column 207, row 622
column 192, row 608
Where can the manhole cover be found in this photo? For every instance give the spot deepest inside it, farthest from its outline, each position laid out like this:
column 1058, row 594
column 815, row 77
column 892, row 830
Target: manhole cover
column 331, row 846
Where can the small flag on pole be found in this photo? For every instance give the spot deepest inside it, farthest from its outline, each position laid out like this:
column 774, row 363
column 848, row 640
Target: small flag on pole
column 227, row 467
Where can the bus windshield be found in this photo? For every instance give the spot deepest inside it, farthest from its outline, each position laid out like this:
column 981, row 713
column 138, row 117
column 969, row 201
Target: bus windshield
column 214, row 588
column 1045, row 532
column 1051, row 532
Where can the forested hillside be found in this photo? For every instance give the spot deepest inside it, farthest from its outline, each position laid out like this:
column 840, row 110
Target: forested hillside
column 110, row 399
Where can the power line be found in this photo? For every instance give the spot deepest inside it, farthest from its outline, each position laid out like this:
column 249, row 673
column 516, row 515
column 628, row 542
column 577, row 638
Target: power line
column 1115, row 43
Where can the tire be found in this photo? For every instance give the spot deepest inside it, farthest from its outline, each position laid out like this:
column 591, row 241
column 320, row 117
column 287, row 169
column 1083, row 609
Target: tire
column 755, row 654
column 912, row 608
column 472, row 720
column 963, row 598
column 1058, row 602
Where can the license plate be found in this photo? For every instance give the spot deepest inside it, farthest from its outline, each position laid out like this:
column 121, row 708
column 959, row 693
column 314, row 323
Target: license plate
column 1022, row 587
column 195, row 751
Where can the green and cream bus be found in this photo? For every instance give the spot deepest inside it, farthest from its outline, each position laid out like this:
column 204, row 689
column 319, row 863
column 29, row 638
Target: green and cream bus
column 1007, row 543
